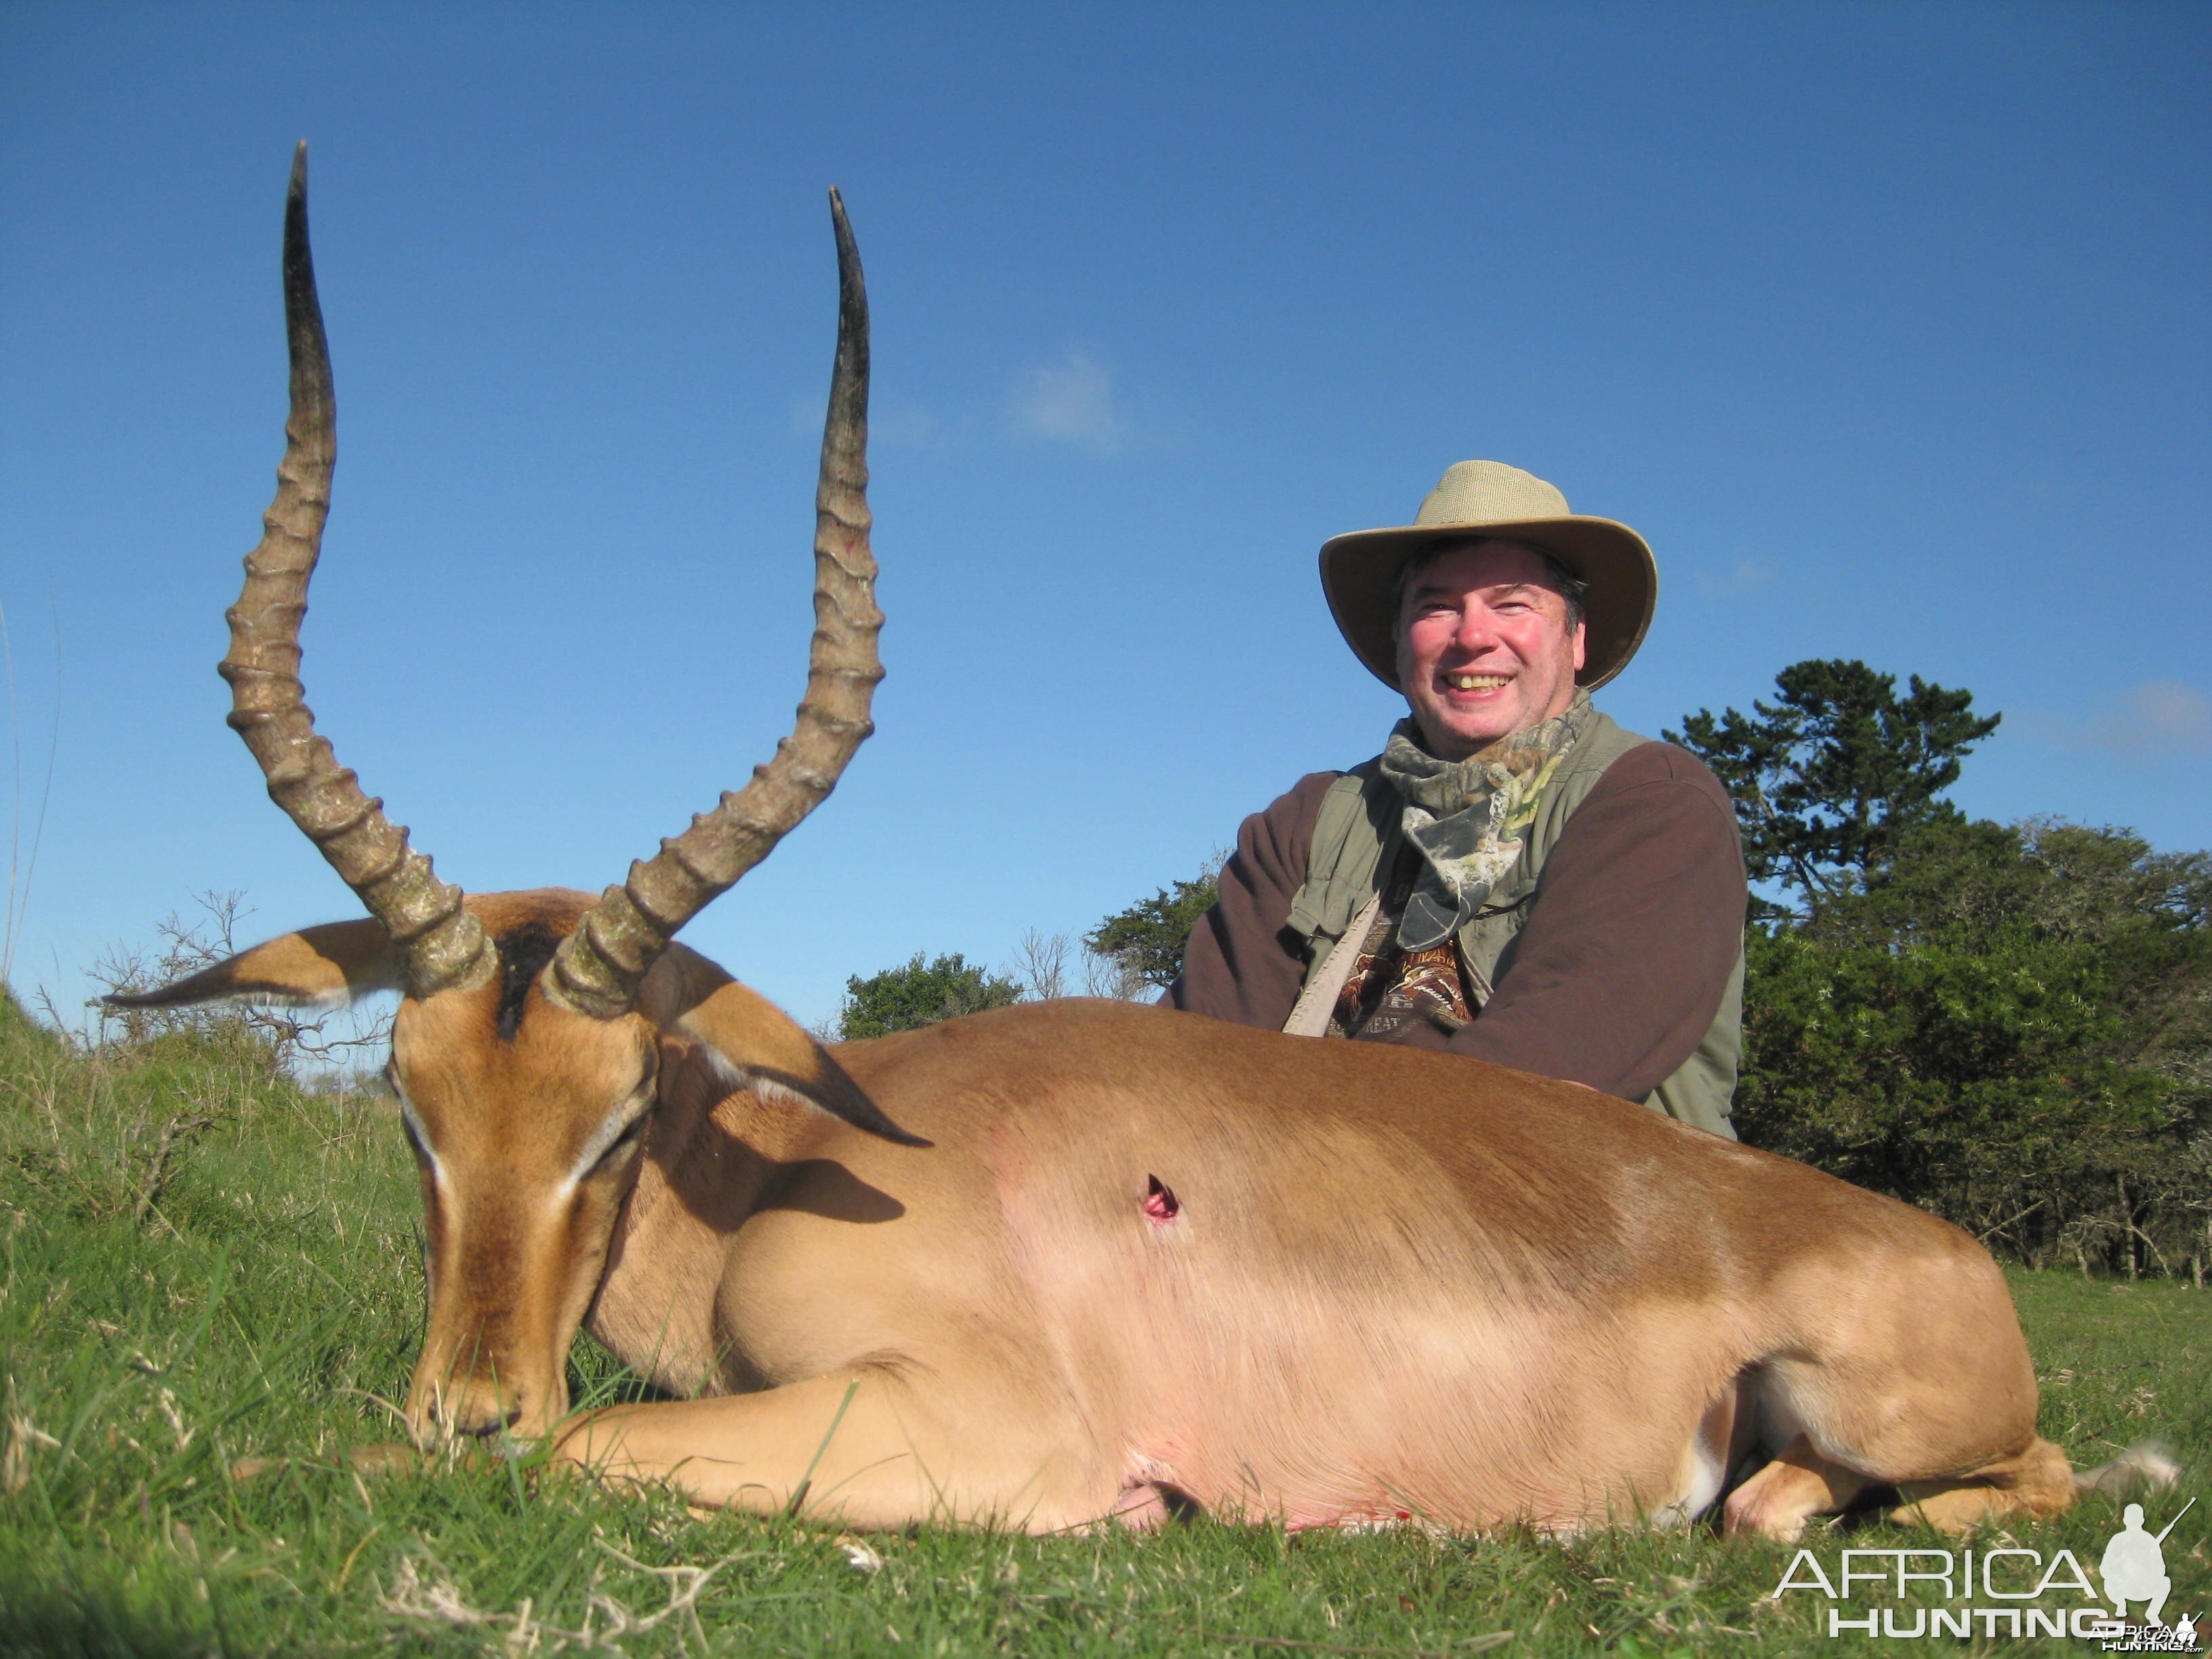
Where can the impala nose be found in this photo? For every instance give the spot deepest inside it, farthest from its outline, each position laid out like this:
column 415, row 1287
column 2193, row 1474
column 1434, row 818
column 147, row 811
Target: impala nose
column 471, row 1409
column 485, row 1424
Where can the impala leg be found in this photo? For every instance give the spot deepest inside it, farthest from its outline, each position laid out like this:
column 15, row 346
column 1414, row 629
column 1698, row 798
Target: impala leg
column 863, row 1446
column 2039, row 1482
column 1799, row 1484
column 1926, row 1388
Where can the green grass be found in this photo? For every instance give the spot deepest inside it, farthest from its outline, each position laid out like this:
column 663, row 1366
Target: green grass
column 199, row 1262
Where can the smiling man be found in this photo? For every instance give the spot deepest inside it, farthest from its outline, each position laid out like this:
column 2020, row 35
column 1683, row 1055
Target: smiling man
column 1514, row 878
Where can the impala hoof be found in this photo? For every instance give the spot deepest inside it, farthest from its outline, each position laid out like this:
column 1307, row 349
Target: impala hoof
column 384, row 1458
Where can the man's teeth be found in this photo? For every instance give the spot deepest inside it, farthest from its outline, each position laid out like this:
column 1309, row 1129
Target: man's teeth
column 1475, row 682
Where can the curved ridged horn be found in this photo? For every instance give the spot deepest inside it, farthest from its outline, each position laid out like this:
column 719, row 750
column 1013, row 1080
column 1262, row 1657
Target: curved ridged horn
column 597, row 968
column 441, row 947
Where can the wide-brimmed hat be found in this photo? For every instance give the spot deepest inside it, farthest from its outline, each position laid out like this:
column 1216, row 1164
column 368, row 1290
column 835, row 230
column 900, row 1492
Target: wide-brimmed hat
column 1480, row 499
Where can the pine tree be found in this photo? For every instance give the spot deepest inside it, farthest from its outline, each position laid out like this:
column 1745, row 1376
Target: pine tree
column 1830, row 777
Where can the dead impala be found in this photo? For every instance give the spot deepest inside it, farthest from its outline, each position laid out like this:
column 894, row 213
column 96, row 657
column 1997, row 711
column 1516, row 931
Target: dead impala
column 1076, row 1259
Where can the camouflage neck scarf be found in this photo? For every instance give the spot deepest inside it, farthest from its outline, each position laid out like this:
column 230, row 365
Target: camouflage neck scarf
column 1466, row 817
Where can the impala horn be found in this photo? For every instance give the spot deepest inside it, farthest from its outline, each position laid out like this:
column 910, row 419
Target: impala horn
column 598, row 967
column 441, row 947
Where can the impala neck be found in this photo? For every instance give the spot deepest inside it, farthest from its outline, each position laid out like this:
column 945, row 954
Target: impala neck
column 711, row 1155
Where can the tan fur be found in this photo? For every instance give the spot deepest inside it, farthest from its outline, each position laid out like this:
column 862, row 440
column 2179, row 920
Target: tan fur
column 1394, row 1285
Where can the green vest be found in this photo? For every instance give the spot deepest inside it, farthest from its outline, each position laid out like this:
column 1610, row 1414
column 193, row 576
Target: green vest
column 1357, row 837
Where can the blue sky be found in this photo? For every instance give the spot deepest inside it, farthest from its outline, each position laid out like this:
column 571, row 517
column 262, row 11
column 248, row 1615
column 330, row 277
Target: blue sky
column 1885, row 324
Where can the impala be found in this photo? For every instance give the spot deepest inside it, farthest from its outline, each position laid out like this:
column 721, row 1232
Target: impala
column 1076, row 1259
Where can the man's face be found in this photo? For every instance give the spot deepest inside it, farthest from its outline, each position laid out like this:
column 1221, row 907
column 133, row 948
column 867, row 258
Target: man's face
column 1484, row 648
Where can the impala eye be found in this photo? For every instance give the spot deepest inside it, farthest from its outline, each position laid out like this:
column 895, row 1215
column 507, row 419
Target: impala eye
column 406, row 1116
column 633, row 1132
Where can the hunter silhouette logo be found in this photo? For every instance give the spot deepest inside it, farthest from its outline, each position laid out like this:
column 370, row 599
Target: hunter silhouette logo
column 2134, row 1570
column 2134, row 1567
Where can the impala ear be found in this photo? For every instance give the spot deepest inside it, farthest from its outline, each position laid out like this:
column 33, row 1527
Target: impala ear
column 326, row 967
column 754, row 1043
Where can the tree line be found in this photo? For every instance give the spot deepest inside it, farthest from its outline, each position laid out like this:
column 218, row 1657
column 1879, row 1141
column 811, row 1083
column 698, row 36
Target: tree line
column 2007, row 1025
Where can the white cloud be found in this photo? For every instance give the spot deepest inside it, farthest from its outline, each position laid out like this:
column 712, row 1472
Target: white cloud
column 1071, row 402
column 2162, row 714
column 1744, row 574
column 2169, row 717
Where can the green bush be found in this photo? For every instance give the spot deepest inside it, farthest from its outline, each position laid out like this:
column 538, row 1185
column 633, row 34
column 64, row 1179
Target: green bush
column 920, row 992
column 1957, row 1080
column 1146, row 941
column 2011, row 1026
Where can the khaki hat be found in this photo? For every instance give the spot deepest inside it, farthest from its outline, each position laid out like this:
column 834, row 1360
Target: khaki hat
column 1475, row 499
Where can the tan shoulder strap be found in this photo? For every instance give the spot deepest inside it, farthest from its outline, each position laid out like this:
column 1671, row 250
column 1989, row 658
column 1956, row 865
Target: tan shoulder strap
column 1309, row 1016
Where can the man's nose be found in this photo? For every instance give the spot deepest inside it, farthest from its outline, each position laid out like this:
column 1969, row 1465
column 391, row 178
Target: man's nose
column 1477, row 629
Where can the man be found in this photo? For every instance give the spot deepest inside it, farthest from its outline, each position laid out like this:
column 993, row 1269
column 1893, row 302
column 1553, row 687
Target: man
column 1514, row 878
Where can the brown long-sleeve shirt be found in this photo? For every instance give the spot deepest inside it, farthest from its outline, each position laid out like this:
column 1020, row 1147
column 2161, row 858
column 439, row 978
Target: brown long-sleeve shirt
column 1637, row 921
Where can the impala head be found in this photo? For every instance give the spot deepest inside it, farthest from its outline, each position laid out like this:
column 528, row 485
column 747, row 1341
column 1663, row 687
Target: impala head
column 526, row 1052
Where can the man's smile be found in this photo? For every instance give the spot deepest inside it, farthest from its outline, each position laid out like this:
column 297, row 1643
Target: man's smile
column 1464, row 682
